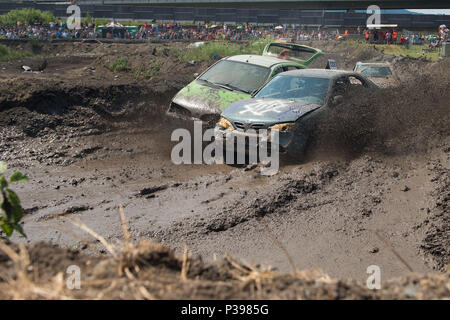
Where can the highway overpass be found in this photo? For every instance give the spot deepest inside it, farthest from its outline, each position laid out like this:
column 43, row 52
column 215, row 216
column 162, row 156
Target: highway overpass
column 260, row 4
column 275, row 15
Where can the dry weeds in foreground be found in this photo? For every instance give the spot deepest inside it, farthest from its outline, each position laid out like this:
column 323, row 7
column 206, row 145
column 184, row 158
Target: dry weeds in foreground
column 151, row 271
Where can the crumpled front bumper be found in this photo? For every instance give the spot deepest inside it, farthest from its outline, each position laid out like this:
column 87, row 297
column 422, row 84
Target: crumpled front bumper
column 251, row 138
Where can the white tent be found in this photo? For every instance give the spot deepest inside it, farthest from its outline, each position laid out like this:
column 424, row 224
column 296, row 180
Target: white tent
column 113, row 24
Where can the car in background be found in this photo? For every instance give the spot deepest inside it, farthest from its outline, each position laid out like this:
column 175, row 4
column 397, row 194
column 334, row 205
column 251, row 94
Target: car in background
column 380, row 73
column 236, row 78
column 284, row 40
column 292, row 102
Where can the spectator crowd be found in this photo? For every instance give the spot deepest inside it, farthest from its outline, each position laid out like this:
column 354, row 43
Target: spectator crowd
column 205, row 32
column 53, row 30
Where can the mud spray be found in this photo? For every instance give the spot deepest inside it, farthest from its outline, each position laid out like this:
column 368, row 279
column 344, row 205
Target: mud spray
column 391, row 121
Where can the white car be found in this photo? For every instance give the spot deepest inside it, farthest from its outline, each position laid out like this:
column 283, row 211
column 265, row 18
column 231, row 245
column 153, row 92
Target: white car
column 381, row 73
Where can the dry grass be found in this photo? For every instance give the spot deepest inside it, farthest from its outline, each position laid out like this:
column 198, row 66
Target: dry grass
column 22, row 287
column 150, row 271
column 130, row 260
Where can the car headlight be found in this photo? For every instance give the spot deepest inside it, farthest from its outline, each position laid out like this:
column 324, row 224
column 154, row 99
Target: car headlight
column 224, row 124
column 284, row 127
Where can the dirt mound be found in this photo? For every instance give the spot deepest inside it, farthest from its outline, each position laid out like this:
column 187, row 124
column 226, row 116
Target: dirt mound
column 59, row 115
column 74, row 106
column 152, row 271
column 79, row 92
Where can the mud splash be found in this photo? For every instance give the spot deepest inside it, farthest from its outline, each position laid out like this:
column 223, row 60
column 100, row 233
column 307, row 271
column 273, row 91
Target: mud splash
column 391, row 121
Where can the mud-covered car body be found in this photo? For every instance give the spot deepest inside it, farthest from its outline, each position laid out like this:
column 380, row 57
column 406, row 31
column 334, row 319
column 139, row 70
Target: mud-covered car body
column 290, row 103
column 236, row 78
column 381, row 73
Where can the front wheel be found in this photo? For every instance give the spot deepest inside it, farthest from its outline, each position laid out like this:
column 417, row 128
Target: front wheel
column 297, row 150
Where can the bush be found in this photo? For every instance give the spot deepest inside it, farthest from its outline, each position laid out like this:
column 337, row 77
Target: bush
column 26, row 16
column 10, row 209
column 121, row 65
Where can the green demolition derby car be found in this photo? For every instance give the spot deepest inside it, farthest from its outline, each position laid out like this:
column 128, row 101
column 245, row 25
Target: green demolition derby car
column 237, row 78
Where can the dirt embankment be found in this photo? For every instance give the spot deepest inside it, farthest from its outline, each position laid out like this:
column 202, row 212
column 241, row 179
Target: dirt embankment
column 375, row 184
column 152, row 271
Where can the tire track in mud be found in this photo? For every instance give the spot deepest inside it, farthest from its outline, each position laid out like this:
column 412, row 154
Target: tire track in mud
column 296, row 189
column 342, row 201
column 290, row 188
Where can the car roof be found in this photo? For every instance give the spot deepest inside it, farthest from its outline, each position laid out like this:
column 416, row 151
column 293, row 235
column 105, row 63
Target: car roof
column 381, row 64
column 317, row 73
column 263, row 61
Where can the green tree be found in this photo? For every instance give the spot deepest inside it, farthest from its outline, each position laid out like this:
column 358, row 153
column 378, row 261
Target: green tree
column 26, row 16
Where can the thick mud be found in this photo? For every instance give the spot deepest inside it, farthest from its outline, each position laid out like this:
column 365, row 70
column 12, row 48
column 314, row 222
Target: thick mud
column 374, row 186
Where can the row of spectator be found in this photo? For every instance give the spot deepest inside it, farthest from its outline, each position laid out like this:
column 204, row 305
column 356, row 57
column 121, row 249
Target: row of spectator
column 199, row 32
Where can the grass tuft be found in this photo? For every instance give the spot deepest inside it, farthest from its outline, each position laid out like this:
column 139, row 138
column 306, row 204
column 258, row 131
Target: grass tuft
column 120, row 65
column 7, row 54
column 414, row 51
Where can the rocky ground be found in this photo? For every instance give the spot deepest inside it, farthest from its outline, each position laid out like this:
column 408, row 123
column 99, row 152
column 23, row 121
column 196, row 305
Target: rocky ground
column 374, row 189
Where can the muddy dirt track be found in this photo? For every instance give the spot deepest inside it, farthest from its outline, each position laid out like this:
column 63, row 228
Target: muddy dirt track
column 375, row 184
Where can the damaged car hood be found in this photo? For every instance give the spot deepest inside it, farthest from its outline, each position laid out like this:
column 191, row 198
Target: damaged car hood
column 200, row 97
column 268, row 111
